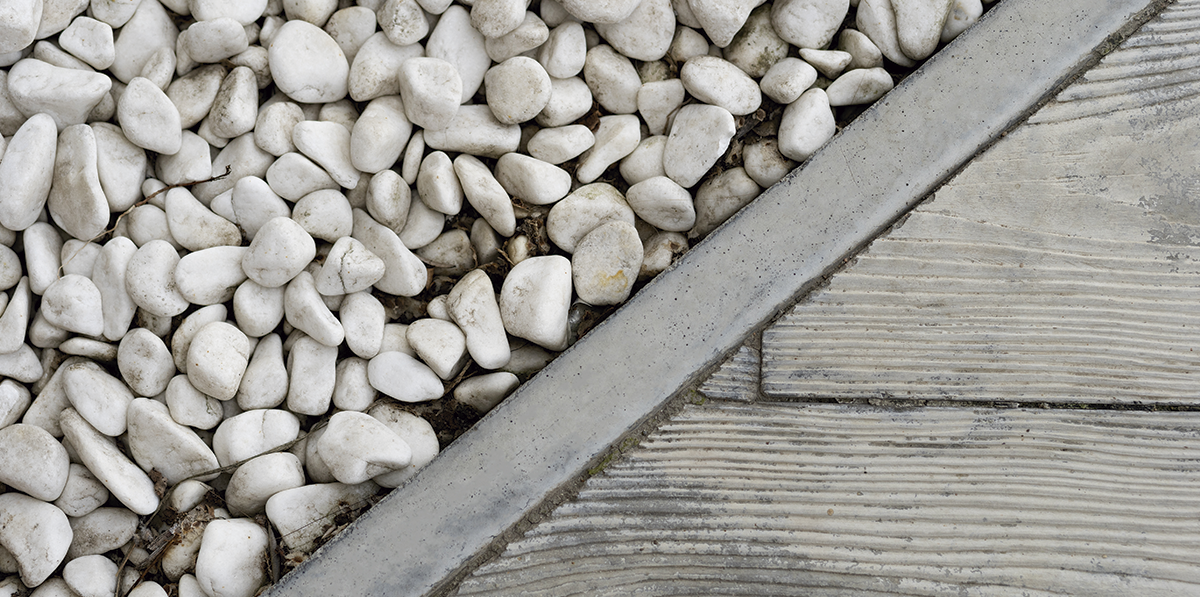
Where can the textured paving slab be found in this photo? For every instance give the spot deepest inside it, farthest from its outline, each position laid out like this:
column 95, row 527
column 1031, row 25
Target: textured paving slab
column 543, row 438
column 1060, row 266
column 767, row 499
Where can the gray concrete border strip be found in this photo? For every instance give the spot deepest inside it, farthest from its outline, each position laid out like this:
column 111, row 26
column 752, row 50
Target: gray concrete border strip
column 544, row 437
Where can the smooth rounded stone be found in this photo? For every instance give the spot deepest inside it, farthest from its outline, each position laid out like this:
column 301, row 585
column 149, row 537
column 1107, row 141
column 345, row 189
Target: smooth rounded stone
column 196, row 227
column 192, row 162
column 565, row 51
column 19, row 24
column 316, row 12
column 449, row 254
column 43, row 255
column 265, row 383
column 27, row 172
column 721, row 19
column 121, row 166
column 645, row 34
column 191, row 407
column 314, row 465
column 829, row 63
column 517, row 89
column 66, row 95
column 374, row 72
column 606, row 264
column 404, row 378
column 78, row 257
column 859, row 86
column 252, row 433
column 273, row 127
column 194, row 93
column 242, row 11
column 146, row 223
column 304, row 514
column 422, row 225
column 257, row 309
column 280, row 250
column 764, row 164
column 720, row 197
column 437, row 184
column 646, row 161
column 217, row 359
column 255, row 203
column 404, row 274
column 235, row 108
column 484, row 392
column 559, row 144
column 307, row 64
column 293, row 176
column 494, row 18
column 186, row 331
column 806, row 125
column 349, row 267
column 214, row 40
column 687, row 43
column 787, row 79
column 55, row 56
column 98, row 397
column 485, row 242
column 57, row 14
column 718, row 82
column 570, row 99
column 157, row 442
column 353, row 389
column 150, row 29
column 441, row 344
column 253, row 483
column 325, row 214
column 660, row 251
column 616, row 137
column 473, row 307
column 101, row 455
column 402, row 21
column 919, row 25
column 475, row 130
column 311, row 371
column 809, row 23
column 232, row 557
column 379, row 135
column 437, row 309
column 90, row 576
column 148, row 118
column 82, row 493
column 662, row 203
column 160, row 67
column 210, row 276
column 363, row 318
column 350, row 27
column 863, row 52
column 73, row 304
column 306, row 311
column 699, row 136
column 357, row 447
column 15, row 398
column 410, row 164
column 757, row 46
column 86, row 347
column 145, row 362
column 529, row 35
column 36, row 534
column 485, row 194
column 33, row 462
column 535, row 299
column 877, row 20
column 454, row 40
column 532, row 180
column 76, row 200
column 963, row 14
column 612, row 80
column 415, row 432
column 583, row 210
column 328, row 145
column 114, row 12
column 657, row 100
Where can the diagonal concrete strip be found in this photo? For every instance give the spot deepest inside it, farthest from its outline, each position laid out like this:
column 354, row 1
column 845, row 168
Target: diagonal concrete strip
column 544, row 436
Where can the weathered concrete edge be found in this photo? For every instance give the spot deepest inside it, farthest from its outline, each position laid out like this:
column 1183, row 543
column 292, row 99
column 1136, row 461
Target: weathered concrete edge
column 544, row 436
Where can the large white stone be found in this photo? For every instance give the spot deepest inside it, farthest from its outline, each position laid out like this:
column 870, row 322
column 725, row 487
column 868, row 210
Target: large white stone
column 98, row 397
column 217, row 359
column 307, row 64
column 473, row 306
column 232, row 558
column 699, row 136
column 27, row 171
column 584, row 209
column 67, row 95
column 159, row 443
column 35, row 533
column 806, row 125
column 404, row 378
column 535, row 299
column 101, row 455
column 380, row 135
column 252, row 433
column 33, row 462
column 357, row 447
column 253, row 483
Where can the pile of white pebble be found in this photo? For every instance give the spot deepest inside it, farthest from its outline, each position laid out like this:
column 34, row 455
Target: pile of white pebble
column 212, row 213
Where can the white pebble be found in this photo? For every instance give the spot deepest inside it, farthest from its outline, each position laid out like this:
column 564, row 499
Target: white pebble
column 535, row 299
column 19, row 24
column 720, row 197
column 787, row 79
column 606, row 264
column 148, row 118
column 963, row 14
column 235, row 108
column 83, row 493
column 357, row 447
column 485, row 194
column 806, row 125
column 214, row 40
column 327, row 144
column 349, row 267
column 232, row 558
column 217, row 360
column 293, row 176
column 475, row 130
column 570, row 99
column 472, row 305
column 307, row 64
column 830, row 63
column 454, row 40
column 404, row 274
column 353, row 390
column 404, row 378
column 363, row 317
column 863, row 52
column 662, row 203
column 190, row 406
column 612, row 80
column 325, row 214
column 919, row 25
column 379, row 135
column 646, row 161
column 437, row 184
column 33, row 462
column 764, row 164
column 195, row 226
column 98, row 397
column 376, row 65
column 718, row 82
column 252, row 433
column 565, row 51
column 583, row 210
column 36, row 534
column 265, row 383
column 531, row 180
column 529, row 35
column 877, row 20
column 311, row 376
column 73, row 304
column 280, row 250
column 859, row 86
column 145, row 362
column 302, row 515
column 656, row 101
column 559, row 144
column 101, row 455
column 210, row 276
column 616, row 138
column 699, row 136
column 484, row 392
column 257, row 309
column 721, row 19
column 158, row 443
column 27, row 172
column 306, row 311
column 67, row 95
column 253, row 483
column 441, row 344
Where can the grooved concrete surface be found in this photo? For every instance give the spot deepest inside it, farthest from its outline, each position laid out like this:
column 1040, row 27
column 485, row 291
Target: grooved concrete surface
column 440, row 526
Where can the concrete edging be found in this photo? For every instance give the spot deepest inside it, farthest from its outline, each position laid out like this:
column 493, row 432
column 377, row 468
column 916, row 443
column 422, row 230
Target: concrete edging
column 543, row 437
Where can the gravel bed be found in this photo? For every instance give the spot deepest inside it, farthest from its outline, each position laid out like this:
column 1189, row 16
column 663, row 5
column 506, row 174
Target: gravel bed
column 263, row 259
